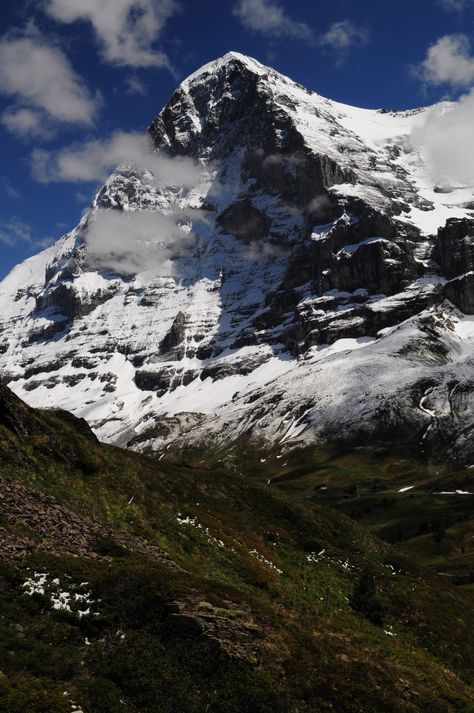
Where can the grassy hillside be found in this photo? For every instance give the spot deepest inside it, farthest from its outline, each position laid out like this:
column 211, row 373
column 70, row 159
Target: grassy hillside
column 424, row 509
column 145, row 586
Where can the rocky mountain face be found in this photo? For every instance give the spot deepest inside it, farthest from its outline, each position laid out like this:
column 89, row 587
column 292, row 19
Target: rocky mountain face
column 319, row 286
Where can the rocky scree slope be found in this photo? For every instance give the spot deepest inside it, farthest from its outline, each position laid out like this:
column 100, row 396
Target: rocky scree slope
column 318, row 288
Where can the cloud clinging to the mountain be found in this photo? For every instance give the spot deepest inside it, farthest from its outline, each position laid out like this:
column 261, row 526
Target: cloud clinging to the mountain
column 135, row 241
column 93, row 160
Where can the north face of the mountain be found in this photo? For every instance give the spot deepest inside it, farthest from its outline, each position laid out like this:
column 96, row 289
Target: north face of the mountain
column 317, row 286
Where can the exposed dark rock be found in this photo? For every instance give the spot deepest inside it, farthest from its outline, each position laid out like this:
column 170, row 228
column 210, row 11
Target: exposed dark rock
column 456, row 247
column 79, row 362
column 274, row 151
column 73, row 379
column 360, row 255
column 165, row 429
column 64, row 298
column 163, row 380
column 175, row 335
column 223, row 369
column 43, row 368
column 44, row 332
column 295, row 174
column 244, row 221
column 460, row 292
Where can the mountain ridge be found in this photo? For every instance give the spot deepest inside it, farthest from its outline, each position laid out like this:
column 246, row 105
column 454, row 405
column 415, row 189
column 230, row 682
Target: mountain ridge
column 307, row 252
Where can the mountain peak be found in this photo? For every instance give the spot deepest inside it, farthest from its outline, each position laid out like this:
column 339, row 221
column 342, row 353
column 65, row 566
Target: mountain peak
column 215, row 65
column 239, row 57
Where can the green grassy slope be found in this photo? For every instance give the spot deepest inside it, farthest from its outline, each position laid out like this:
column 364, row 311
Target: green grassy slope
column 257, row 616
column 422, row 508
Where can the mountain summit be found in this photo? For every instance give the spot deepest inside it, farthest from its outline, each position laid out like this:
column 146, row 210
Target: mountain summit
column 296, row 279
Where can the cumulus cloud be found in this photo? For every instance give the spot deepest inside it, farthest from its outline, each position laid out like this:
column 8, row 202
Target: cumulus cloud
column 93, row 160
column 136, row 241
column 446, row 137
column 269, row 18
column 25, row 123
column 448, row 61
column 125, row 29
column 343, row 36
column 43, row 83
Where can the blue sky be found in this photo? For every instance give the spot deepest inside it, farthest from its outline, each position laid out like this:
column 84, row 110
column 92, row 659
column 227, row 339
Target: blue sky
column 67, row 80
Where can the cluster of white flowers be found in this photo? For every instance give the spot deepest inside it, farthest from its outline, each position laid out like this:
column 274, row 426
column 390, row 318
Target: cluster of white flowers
column 315, row 557
column 78, row 600
column 193, row 522
column 263, row 559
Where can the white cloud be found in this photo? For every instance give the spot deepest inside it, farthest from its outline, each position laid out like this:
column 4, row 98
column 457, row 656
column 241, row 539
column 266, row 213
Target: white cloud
column 268, row 17
column 448, row 61
column 134, row 85
column 25, row 123
column 446, row 137
column 125, row 29
column 15, row 231
column 454, row 5
column 447, row 140
column 132, row 242
column 93, row 160
column 43, row 83
column 344, row 35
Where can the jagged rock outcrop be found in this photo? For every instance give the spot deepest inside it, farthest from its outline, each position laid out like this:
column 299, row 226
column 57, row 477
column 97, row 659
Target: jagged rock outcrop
column 456, row 255
column 175, row 337
column 456, row 247
column 461, row 292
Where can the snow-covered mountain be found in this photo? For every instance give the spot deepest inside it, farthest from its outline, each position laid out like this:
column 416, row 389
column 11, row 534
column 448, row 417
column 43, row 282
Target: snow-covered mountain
column 315, row 285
